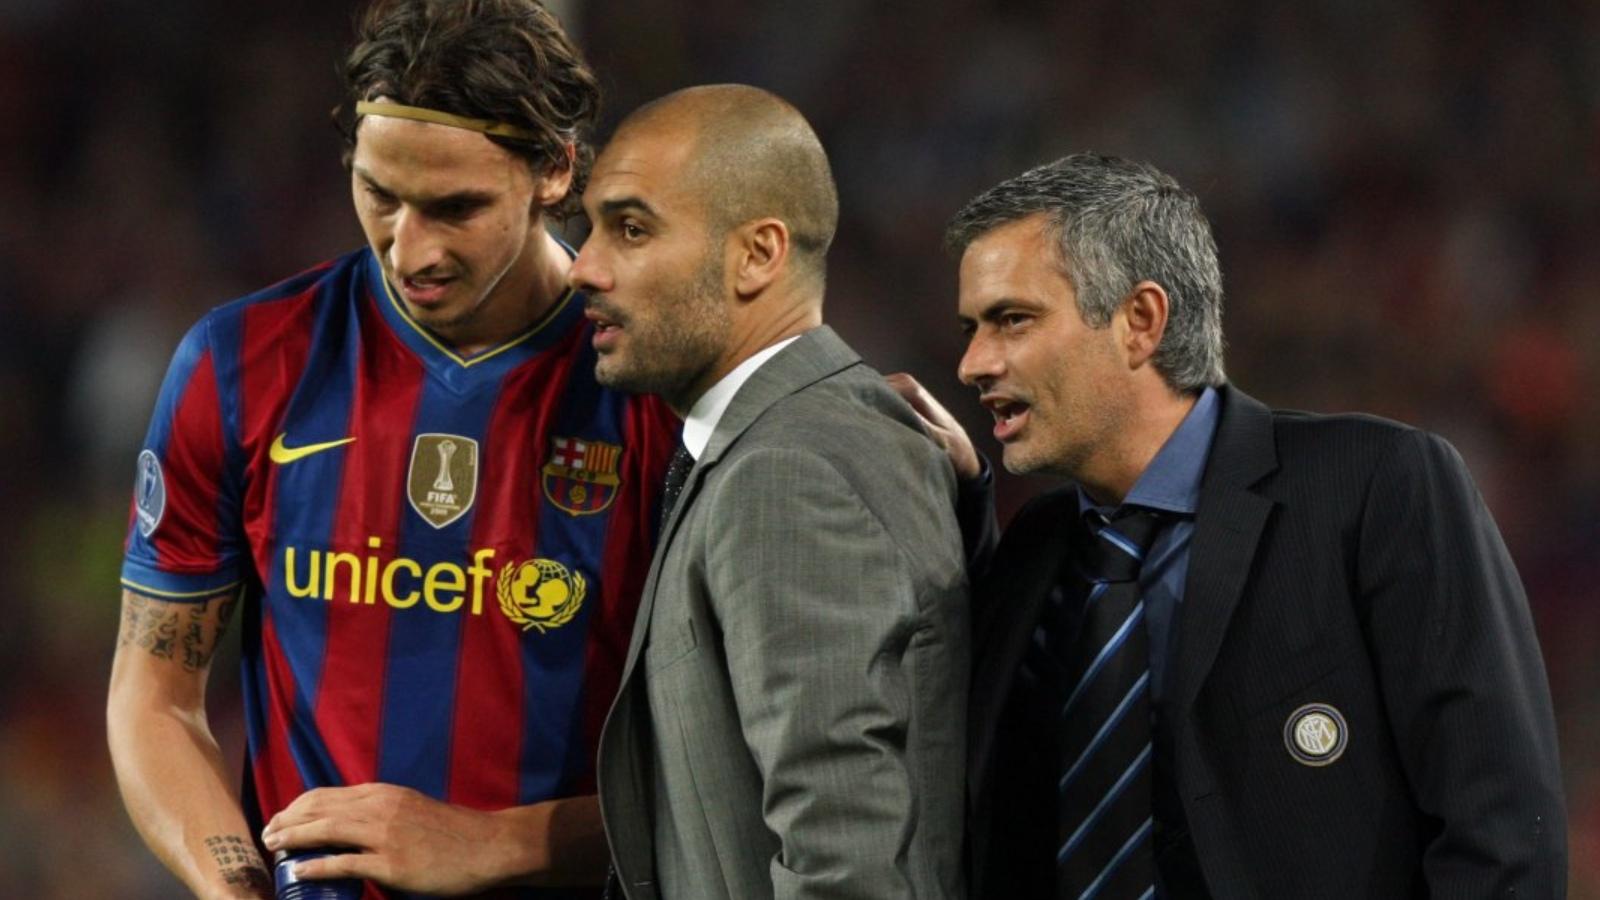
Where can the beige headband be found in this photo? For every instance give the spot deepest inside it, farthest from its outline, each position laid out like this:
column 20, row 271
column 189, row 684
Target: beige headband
column 420, row 114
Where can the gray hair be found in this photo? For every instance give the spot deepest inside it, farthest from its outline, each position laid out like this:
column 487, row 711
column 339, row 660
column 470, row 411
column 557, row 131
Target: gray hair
column 1116, row 223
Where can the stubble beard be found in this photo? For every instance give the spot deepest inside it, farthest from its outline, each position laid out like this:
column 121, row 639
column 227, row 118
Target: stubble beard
column 673, row 350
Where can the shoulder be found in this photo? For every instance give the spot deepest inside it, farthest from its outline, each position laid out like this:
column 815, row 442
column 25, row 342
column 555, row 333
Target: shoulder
column 1356, row 441
column 323, row 283
column 849, row 434
column 272, row 309
column 1328, row 456
column 286, row 316
column 851, row 416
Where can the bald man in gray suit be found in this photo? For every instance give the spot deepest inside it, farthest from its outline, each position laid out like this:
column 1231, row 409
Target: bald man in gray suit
column 790, row 722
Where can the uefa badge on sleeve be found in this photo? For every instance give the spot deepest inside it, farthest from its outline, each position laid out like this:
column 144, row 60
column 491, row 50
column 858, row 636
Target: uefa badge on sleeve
column 1316, row 734
column 149, row 493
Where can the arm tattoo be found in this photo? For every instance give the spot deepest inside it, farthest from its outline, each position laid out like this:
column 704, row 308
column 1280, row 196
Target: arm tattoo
column 239, row 863
column 185, row 632
column 225, row 613
column 195, row 651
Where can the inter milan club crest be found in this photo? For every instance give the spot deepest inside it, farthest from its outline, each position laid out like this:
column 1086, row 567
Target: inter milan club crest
column 581, row 476
column 540, row 594
column 444, row 477
column 1316, row 734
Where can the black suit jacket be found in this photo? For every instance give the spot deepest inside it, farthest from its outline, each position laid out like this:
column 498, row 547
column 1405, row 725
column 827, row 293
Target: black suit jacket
column 1341, row 560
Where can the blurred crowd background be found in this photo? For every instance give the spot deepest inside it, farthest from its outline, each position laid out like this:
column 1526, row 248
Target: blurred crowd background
column 1404, row 194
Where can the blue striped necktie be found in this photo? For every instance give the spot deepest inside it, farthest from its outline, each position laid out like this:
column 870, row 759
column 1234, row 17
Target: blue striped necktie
column 1105, row 799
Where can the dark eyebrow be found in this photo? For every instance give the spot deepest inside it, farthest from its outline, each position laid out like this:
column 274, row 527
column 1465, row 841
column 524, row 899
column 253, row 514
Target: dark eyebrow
column 468, row 199
column 366, row 176
column 1001, row 306
column 626, row 204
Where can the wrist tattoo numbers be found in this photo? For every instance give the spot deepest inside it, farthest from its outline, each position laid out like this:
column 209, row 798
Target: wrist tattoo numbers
column 238, row 861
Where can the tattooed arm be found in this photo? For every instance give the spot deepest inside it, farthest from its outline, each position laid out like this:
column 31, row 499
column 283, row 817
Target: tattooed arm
column 168, row 765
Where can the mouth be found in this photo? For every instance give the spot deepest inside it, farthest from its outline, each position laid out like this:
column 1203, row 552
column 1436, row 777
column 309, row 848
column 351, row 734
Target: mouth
column 1010, row 415
column 607, row 329
column 425, row 291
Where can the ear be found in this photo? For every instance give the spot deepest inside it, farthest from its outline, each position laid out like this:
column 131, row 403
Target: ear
column 759, row 251
column 1144, row 317
column 554, row 183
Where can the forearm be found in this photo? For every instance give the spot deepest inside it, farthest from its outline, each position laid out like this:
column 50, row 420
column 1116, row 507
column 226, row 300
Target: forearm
column 175, row 787
column 555, row 843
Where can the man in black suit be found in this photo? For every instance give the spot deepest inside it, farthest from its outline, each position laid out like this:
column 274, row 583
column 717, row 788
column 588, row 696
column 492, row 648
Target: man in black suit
column 1247, row 653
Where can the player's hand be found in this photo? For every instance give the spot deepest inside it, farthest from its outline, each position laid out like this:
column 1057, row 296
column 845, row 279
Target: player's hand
column 940, row 425
column 402, row 839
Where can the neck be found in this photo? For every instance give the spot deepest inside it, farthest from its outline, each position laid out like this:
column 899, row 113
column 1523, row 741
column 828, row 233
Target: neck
column 525, row 294
column 1139, row 436
column 757, row 332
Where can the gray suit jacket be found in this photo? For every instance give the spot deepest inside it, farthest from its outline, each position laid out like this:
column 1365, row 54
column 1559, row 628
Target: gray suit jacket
column 791, row 719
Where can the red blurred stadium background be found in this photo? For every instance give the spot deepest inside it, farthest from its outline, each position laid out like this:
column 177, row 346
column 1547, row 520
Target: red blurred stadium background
column 1404, row 195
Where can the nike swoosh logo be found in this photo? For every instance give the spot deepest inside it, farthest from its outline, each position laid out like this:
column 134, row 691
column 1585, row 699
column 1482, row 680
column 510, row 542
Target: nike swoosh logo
column 281, row 454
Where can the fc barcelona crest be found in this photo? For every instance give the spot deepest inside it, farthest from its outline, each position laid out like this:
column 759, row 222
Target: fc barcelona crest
column 444, row 477
column 581, row 476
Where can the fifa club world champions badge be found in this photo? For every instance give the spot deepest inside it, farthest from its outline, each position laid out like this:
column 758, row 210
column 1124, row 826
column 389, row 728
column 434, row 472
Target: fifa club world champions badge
column 443, row 481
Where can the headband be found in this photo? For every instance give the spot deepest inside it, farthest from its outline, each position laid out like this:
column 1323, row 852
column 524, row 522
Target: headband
column 420, row 114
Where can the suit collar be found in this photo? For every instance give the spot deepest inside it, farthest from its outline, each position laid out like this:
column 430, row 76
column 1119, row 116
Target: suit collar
column 1228, row 527
column 1245, row 450
column 811, row 357
column 703, row 417
column 1012, row 595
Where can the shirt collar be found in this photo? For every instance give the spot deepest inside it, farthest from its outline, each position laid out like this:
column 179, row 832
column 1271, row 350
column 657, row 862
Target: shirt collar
column 1171, row 482
column 707, row 411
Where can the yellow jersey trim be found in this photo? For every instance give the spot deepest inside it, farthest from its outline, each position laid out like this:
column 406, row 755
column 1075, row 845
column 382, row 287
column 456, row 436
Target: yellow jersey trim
column 179, row 595
column 560, row 304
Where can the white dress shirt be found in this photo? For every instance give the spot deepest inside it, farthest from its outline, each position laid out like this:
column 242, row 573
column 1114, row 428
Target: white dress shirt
column 707, row 411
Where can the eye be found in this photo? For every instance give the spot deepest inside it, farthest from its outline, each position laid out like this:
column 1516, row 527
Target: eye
column 452, row 209
column 1012, row 321
column 630, row 230
column 379, row 196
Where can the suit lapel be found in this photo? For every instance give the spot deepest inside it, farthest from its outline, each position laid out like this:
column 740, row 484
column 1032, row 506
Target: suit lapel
column 1013, row 600
column 1228, row 527
column 813, row 356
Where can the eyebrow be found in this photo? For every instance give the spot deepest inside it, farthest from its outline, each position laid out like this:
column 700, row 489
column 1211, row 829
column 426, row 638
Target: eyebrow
column 1002, row 305
column 466, row 197
column 625, row 204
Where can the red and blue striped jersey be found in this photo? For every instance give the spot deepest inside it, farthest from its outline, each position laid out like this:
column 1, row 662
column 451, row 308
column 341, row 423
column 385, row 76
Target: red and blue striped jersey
column 440, row 557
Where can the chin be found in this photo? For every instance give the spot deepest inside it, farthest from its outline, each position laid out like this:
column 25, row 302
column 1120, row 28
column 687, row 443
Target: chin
column 614, row 373
column 1017, row 460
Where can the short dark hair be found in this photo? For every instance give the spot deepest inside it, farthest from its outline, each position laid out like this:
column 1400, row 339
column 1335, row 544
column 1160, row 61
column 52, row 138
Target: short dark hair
column 1117, row 222
column 502, row 60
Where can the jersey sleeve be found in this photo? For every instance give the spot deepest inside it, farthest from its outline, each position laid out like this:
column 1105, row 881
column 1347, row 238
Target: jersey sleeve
column 183, row 528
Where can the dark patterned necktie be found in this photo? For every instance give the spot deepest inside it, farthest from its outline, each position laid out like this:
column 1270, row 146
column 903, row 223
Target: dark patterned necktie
column 1105, row 721
column 677, row 476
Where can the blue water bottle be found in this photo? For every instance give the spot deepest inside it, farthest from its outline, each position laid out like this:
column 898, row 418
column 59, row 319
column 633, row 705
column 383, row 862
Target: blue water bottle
column 290, row 888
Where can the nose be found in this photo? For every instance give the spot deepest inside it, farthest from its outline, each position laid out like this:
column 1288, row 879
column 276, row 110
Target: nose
column 981, row 363
column 589, row 272
column 415, row 247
